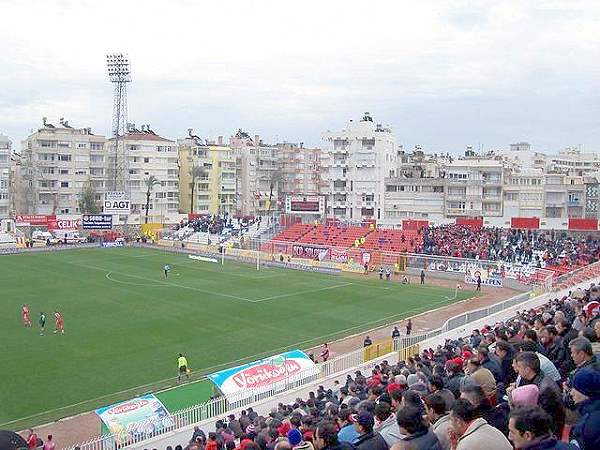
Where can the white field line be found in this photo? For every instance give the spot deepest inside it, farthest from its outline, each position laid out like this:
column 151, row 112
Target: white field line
column 194, row 265
column 308, row 291
column 164, row 283
column 247, row 358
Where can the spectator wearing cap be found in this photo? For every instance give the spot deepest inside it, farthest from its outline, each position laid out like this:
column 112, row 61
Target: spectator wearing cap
column 346, row 420
column 454, row 379
column 295, row 438
column 398, row 383
column 586, row 395
column 368, row 438
column 437, row 409
column 527, row 395
column 468, row 431
column 530, row 428
column 551, row 400
column 386, row 425
column 417, row 434
column 326, row 437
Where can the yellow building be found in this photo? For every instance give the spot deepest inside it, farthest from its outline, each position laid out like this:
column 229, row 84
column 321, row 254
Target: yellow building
column 215, row 180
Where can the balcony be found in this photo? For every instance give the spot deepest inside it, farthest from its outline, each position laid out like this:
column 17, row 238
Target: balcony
column 456, row 211
column 574, row 203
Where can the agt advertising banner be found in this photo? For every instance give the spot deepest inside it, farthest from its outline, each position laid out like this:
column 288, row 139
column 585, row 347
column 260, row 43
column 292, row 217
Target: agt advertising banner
column 135, row 419
column 285, row 367
column 116, row 203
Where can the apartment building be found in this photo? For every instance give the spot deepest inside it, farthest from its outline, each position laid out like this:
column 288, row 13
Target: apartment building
column 300, row 168
column 55, row 164
column 474, row 187
column 149, row 155
column 524, row 193
column 357, row 160
column 215, row 180
column 564, row 195
column 572, row 160
column 258, row 170
column 417, row 191
column 5, row 178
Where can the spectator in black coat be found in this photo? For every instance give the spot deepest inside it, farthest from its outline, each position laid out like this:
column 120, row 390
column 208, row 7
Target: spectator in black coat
column 550, row 399
column 586, row 395
column 368, row 439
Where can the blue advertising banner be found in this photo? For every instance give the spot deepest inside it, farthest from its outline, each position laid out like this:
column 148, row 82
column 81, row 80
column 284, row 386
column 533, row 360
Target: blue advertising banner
column 96, row 222
column 262, row 373
column 136, row 418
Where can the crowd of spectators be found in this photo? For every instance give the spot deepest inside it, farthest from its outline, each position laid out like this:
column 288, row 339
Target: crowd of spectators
column 540, row 248
column 532, row 382
column 217, row 224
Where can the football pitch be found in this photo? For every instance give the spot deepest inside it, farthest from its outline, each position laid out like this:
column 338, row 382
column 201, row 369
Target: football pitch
column 125, row 323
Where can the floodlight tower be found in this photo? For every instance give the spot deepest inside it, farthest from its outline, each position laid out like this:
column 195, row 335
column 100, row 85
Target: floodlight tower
column 119, row 75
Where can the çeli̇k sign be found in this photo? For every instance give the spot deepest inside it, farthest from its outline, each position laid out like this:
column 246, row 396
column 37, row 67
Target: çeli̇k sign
column 116, row 203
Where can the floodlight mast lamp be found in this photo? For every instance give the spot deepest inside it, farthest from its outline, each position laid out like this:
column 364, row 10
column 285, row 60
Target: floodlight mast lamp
column 118, row 74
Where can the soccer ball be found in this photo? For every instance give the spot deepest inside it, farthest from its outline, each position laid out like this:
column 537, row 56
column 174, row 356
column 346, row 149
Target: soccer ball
column 458, row 286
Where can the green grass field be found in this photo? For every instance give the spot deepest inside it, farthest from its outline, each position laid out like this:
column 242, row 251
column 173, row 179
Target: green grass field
column 125, row 324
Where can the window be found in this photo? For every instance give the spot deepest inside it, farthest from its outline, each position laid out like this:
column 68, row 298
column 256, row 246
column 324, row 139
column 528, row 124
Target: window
column 63, row 144
column 65, row 211
column 64, row 171
column 96, row 146
column 133, row 147
column 146, row 160
column 81, row 145
column 96, row 158
column 64, row 184
column 160, row 195
column 46, row 157
column 80, row 172
column 64, row 157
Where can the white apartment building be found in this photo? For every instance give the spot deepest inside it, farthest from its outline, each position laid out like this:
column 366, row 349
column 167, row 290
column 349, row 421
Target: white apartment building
column 56, row 162
column 524, row 193
column 357, row 159
column 152, row 155
column 5, row 178
column 474, row 187
column 572, row 160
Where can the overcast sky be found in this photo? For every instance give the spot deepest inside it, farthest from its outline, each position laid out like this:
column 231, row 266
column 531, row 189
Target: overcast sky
column 443, row 74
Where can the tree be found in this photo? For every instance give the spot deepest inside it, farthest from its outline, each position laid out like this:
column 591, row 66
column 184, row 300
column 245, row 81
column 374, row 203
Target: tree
column 275, row 178
column 196, row 172
column 87, row 200
column 151, row 181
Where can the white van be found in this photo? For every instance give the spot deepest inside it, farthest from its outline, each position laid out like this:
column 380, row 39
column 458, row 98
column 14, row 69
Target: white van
column 71, row 236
